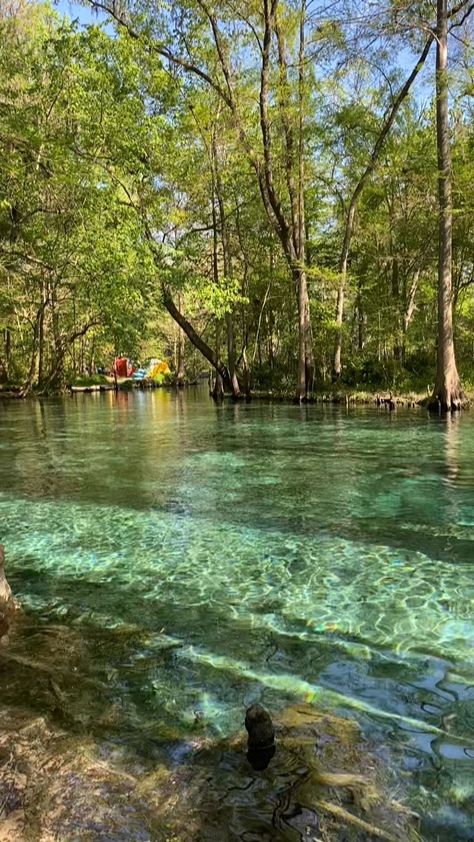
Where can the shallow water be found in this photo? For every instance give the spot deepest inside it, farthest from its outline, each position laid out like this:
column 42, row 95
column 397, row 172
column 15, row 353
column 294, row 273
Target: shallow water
column 206, row 557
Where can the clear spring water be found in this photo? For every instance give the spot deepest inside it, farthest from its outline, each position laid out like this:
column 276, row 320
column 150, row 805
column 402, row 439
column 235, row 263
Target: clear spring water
column 205, row 557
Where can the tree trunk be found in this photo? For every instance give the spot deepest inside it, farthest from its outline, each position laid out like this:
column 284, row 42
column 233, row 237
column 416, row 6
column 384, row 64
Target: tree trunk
column 301, row 383
column 55, row 378
column 305, row 349
column 447, row 394
column 41, row 337
column 5, row 362
column 245, row 294
column 55, row 320
column 343, row 260
column 181, row 370
column 409, row 308
column 218, row 388
column 305, row 335
column 195, row 339
column 398, row 341
column 337, row 360
column 91, row 362
column 227, row 259
column 8, row 351
column 26, row 388
column 360, row 321
column 234, row 383
column 246, row 375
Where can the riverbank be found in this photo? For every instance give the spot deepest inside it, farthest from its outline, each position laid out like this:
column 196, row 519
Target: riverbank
column 382, row 398
column 86, row 385
column 337, row 396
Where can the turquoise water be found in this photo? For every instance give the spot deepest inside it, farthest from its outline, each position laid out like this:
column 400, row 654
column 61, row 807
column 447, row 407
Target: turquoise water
column 206, row 557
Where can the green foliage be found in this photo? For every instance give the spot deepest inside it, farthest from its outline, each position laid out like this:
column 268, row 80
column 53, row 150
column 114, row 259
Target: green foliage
column 127, row 176
column 90, row 380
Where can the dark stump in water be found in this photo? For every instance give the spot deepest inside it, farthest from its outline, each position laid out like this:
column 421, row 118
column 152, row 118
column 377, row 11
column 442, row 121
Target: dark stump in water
column 261, row 739
column 260, row 728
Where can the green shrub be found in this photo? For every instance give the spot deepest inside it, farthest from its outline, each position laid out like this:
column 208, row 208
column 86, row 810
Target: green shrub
column 90, row 380
column 277, row 377
column 420, row 362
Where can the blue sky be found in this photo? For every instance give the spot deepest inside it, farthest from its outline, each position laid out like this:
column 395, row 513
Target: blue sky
column 406, row 58
column 75, row 10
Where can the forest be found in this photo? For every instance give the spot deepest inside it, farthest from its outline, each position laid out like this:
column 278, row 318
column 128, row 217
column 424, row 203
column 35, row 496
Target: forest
column 247, row 618
column 279, row 191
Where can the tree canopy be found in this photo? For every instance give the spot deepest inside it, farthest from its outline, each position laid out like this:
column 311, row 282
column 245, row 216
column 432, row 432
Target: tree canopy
column 260, row 180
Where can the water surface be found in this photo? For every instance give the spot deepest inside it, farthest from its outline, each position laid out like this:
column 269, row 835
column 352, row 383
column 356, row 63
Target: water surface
column 206, row 557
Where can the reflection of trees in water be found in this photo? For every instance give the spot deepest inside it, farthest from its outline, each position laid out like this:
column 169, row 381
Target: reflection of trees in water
column 452, row 513
column 452, row 445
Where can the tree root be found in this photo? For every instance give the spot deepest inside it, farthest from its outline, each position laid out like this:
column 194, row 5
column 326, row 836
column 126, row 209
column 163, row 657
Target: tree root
column 340, row 779
column 348, row 818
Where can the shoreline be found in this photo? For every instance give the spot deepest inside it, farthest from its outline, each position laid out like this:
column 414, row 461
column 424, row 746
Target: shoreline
column 356, row 397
